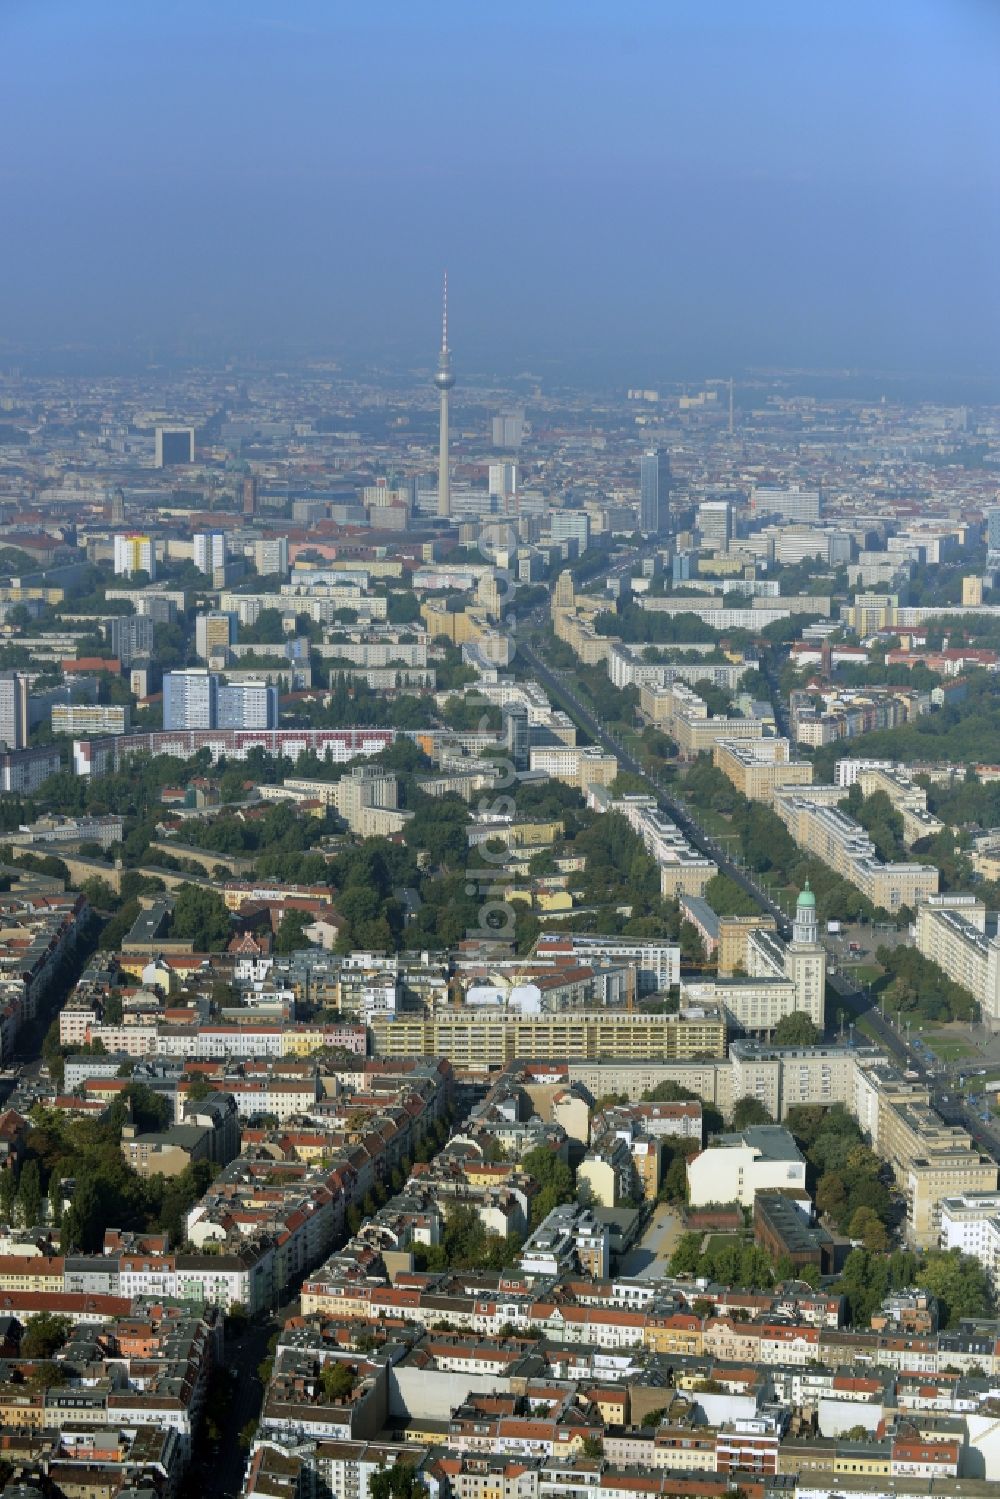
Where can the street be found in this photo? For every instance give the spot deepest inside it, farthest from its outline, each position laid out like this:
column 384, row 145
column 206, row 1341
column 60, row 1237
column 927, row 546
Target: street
column 677, row 810
column 651, row 1255
column 910, row 1055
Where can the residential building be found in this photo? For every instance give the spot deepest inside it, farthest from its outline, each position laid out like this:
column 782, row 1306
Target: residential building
column 831, row 835
column 90, row 718
column 485, row 1038
column 271, row 557
column 131, row 637
column 13, row 710
column 214, row 633
column 209, row 551
column 23, row 771
column 133, row 554
column 757, row 766
column 951, row 932
column 243, row 705
column 190, row 699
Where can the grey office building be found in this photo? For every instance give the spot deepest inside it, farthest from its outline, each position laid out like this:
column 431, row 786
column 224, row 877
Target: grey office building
column 654, row 492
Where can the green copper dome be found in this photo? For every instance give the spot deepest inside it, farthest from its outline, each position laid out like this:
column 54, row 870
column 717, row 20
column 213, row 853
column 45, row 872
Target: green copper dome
column 806, row 897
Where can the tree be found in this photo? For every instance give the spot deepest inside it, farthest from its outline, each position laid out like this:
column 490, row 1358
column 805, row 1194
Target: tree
column 337, row 1380
column 398, row 1482
column 201, row 915
column 55, row 1200
column 868, row 1227
column 959, row 1282
column 45, row 1335
column 29, row 1194
column 592, row 1447
column 796, row 1029
column 749, row 1111
column 150, row 1111
column 692, row 946
column 8, row 1193
column 291, row 933
column 554, row 1179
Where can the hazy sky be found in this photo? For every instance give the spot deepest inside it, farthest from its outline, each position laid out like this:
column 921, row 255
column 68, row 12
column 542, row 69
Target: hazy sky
column 644, row 189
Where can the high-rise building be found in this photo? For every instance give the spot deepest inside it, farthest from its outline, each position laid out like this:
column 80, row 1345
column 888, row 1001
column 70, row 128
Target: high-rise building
column 130, row 637
column 793, row 503
column 503, row 479
column 13, row 710
column 251, row 490
column 571, row 525
column 247, row 705
column 654, row 492
column 118, row 506
column 209, row 551
column 214, row 633
column 135, row 554
column 993, row 528
column 174, row 445
column 190, row 699
column 508, row 429
column 517, row 734
column 444, row 379
column 715, row 524
column 271, row 556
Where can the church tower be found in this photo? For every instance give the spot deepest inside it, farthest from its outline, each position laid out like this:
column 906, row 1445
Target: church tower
column 805, row 960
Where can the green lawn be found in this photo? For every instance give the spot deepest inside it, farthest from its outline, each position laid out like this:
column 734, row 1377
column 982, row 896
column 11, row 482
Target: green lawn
column 720, row 1241
column 950, row 1048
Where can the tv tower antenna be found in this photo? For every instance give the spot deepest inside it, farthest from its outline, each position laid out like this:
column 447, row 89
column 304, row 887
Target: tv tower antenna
column 730, row 405
column 444, row 379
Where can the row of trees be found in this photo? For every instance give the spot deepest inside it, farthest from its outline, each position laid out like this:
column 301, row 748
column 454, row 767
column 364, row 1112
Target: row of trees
column 914, row 985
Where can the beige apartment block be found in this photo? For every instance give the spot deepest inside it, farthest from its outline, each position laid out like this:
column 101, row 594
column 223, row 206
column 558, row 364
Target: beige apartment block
column 951, row 931
column 842, row 843
column 471, row 1039
column 757, row 767
column 734, row 934
column 908, row 799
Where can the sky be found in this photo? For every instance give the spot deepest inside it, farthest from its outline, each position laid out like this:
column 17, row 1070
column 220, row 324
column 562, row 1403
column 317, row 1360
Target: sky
column 632, row 191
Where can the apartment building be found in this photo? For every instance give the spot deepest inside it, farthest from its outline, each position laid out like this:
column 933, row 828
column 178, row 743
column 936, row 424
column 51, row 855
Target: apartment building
column 90, row 718
column 951, row 931
column 971, row 1223
column 684, row 870
column 577, row 766
column 907, row 798
column 758, row 767
column 931, row 1160
column 834, row 837
column 487, row 1039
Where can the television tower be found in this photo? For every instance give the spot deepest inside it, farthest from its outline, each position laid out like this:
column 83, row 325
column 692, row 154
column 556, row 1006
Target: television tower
column 444, row 379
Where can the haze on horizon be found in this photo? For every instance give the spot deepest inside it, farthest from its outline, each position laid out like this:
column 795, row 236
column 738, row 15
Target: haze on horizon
column 638, row 191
